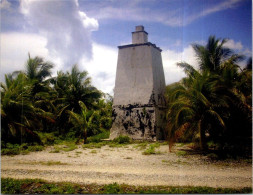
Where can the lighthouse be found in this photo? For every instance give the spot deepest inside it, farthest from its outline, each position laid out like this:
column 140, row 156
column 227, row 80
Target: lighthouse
column 139, row 103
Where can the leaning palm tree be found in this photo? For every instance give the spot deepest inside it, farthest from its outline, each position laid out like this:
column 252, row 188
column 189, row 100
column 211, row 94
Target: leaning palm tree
column 193, row 106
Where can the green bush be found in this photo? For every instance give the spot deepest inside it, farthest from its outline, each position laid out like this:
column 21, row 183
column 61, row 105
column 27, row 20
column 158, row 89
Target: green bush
column 25, row 148
column 47, row 138
column 94, row 124
column 112, row 189
column 106, row 122
column 122, row 139
column 97, row 138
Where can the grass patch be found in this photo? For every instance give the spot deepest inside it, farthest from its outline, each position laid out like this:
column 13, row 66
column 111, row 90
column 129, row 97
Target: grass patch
column 94, row 145
column 37, row 186
column 152, row 149
column 67, row 147
column 167, row 162
column 181, row 153
column 141, row 146
column 95, row 141
column 93, row 151
column 98, row 138
column 122, row 139
column 15, row 149
column 50, row 163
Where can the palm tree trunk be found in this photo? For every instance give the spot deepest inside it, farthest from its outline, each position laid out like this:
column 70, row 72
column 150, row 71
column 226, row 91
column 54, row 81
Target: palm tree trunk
column 85, row 136
column 203, row 144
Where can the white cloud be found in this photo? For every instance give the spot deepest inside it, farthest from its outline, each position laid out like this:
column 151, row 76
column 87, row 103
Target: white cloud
column 233, row 45
column 102, row 68
column 172, row 72
column 15, row 48
column 89, row 23
column 65, row 27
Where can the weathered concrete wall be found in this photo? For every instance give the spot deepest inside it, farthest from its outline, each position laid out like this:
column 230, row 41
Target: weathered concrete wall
column 134, row 76
column 136, row 121
column 138, row 105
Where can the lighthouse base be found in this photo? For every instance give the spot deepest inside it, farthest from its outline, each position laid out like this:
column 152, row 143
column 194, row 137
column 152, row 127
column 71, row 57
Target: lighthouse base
column 140, row 122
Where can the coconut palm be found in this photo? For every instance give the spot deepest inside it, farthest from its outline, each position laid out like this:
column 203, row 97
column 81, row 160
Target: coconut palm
column 76, row 86
column 193, row 106
column 81, row 121
column 211, row 56
column 206, row 101
column 37, row 70
column 17, row 112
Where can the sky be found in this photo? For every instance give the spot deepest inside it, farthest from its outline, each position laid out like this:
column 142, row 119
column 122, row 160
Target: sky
column 88, row 32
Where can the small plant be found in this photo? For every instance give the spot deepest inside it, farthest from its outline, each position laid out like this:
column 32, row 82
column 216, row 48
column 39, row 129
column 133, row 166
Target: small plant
column 181, row 153
column 69, row 147
column 93, row 151
column 97, row 138
column 56, row 150
column 122, row 139
column 94, row 145
column 141, row 146
column 112, row 189
column 151, row 149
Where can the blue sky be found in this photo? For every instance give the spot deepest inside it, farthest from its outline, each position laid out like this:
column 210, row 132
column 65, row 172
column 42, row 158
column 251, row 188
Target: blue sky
column 88, row 32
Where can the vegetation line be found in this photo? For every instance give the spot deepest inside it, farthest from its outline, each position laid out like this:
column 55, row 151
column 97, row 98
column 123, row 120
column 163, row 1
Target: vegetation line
column 32, row 186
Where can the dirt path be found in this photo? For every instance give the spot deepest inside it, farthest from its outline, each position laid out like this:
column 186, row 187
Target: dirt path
column 127, row 165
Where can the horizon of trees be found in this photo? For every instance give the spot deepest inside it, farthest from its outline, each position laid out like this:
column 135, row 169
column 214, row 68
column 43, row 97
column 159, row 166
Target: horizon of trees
column 212, row 104
column 33, row 102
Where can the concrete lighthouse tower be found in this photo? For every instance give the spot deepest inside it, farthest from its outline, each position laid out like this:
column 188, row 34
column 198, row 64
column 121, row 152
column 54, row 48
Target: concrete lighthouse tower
column 138, row 105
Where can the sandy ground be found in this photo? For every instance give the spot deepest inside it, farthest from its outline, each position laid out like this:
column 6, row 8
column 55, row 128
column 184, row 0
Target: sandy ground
column 128, row 165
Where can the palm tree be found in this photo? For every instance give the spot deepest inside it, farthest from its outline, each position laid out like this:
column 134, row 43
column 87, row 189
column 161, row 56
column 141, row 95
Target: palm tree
column 80, row 121
column 17, row 112
column 192, row 106
column 207, row 101
column 211, row 56
column 76, row 86
column 37, row 70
